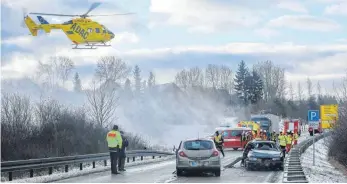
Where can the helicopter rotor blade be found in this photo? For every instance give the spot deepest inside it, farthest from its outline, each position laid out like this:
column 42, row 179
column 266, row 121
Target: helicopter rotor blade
column 92, row 7
column 52, row 14
column 117, row 14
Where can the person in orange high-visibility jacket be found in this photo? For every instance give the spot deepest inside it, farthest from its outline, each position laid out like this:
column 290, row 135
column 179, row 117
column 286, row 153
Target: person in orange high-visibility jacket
column 289, row 141
column 114, row 142
column 295, row 138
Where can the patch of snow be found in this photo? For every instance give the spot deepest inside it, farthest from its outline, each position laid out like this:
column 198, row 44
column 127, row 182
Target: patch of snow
column 74, row 172
column 323, row 171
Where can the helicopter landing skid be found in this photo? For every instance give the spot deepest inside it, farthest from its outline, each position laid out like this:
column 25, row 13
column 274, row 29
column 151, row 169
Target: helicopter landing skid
column 90, row 47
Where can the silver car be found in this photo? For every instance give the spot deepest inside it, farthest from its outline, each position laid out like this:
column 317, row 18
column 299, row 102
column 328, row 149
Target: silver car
column 198, row 155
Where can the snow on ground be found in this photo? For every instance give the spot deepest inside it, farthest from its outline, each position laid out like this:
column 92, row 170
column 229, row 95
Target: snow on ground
column 323, row 171
column 74, row 172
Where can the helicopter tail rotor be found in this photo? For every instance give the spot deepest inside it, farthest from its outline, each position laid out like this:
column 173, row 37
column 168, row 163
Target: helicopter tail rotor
column 25, row 13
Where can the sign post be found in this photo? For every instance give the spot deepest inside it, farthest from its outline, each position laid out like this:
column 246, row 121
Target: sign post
column 313, row 121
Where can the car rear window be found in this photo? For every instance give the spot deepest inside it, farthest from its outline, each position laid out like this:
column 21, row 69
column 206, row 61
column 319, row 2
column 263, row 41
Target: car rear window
column 265, row 146
column 198, row 145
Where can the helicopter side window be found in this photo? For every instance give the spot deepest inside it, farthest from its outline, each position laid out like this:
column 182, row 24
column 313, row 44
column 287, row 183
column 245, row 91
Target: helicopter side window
column 90, row 30
column 97, row 30
column 68, row 22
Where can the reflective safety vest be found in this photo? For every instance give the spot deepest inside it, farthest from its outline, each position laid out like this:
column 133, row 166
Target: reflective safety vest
column 273, row 137
column 289, row 139
column 218, row 138
column 114, row 139
column 282, row 140
column 296, row 137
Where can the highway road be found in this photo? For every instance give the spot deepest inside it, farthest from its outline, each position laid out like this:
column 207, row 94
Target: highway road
column 163, row 172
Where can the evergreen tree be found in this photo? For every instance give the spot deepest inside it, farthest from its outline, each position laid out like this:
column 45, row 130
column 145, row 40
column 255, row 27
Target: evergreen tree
column 137, row 78
column 144, row 84
column 77, row 83
column 127, row 85
column 151, row 80
column 254, row 85
column 240, row 83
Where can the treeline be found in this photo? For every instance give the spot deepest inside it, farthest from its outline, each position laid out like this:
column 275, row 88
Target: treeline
column 48, row 129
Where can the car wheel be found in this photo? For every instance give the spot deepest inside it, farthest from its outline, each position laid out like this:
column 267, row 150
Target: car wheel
column 179, row 172
column 235, row 149
column 217, row 173
column 248, row 168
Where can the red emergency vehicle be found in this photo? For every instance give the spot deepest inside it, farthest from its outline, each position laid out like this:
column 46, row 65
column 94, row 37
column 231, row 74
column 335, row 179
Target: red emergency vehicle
column 293, row 125
column 232, row 136
column 319, row 130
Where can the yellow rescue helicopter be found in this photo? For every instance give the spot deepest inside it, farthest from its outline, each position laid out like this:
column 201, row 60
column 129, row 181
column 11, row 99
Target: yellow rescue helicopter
column 79, row 30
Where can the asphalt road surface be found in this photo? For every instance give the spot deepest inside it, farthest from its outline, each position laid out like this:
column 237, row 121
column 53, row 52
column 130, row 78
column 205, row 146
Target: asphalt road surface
column 163, row 172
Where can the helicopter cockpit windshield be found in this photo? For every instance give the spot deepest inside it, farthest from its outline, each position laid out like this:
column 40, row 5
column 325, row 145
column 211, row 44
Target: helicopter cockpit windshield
column 105, row 30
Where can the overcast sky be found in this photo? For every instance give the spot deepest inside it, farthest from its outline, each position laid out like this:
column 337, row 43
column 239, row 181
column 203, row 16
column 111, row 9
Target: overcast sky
column 307, row 37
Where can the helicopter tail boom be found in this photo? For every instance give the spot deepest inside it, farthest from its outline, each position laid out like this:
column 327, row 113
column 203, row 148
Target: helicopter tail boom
column 32, row 26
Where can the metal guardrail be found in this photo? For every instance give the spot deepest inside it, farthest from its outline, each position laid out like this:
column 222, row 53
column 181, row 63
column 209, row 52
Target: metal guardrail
column 293, row 171
column 32, row 164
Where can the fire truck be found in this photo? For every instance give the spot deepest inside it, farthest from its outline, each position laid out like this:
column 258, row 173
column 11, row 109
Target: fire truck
column 293, row 125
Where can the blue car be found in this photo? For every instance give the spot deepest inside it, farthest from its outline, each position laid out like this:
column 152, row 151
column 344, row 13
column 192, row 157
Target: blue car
column 263, row 154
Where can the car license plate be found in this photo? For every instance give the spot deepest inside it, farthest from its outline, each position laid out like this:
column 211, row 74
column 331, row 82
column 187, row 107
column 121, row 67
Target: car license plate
column 194, row 164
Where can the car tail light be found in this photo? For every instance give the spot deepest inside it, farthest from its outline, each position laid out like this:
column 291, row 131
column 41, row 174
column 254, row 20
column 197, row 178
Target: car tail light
column 215, row 153
column 182, row 154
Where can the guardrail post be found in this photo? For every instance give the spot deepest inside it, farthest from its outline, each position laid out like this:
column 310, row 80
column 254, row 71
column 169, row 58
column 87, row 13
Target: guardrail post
column 128, row 160
column 141, row 158
column 81, row 166
column 153, row 157
column 93, row 164
column 105, row 162
column 66, row 168
column 9, row 176
column 133, row 159
column 50, row 170
column 31, row 173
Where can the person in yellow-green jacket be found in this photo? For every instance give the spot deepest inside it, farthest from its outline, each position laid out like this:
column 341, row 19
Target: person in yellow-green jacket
column 114, row 142
column 289, row 138
column 283, row 143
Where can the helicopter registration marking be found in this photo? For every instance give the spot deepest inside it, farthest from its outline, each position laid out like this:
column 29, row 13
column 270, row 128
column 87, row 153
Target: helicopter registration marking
column 77, row 29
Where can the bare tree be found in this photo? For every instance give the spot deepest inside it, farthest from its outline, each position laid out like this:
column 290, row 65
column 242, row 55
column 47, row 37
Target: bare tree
column 226, row 78
column 291, row 91
column 65, row 67
column 319, row 89
column 195, row 77
column 273, row 78
column 57, row 67
column 309, row 86
column 103, row 102
column 15, row 111
column 280, row 83
column 110, row 68
column 212, row 75
column 300, row 92
column 181, row 79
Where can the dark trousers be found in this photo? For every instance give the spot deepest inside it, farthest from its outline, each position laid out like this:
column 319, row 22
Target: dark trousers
column 121, row 162
column 220, row 148
column 283, row 150
column 114, row 154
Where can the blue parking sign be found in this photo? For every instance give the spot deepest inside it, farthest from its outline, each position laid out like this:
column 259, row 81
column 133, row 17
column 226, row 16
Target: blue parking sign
column 313, row 115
